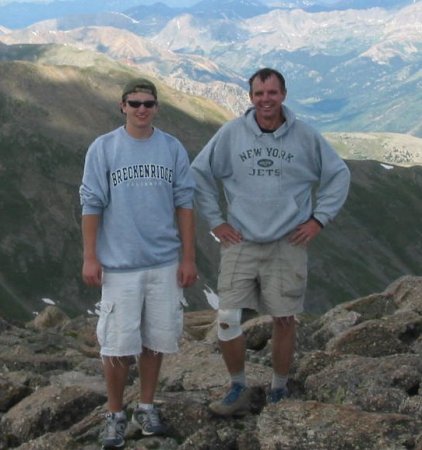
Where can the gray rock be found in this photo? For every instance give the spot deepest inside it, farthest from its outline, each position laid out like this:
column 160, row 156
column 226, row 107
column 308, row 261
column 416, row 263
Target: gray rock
column 303, row 425
column 356, row 382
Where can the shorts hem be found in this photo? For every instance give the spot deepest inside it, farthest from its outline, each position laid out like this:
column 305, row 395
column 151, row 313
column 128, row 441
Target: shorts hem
column 285, row 314
column 150, row 347
column 112, row 354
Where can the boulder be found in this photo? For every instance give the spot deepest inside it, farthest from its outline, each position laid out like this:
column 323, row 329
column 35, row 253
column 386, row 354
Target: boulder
column 356, row 382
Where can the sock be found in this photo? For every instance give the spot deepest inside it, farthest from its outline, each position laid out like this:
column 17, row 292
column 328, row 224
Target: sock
column 279, row 381
column 239, row 377
column 145, row 406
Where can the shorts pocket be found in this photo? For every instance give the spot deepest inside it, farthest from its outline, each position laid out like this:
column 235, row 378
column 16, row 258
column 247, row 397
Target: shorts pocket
column 181, row 304
column 226, row 271
column 293, row 277
column 106, row 308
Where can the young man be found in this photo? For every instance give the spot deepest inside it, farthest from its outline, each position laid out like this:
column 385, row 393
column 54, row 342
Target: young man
column 268, row 162
column 138, row 244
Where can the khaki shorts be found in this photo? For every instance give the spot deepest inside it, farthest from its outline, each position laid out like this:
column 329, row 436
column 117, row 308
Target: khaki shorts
column 270, row 278
column 140, row 308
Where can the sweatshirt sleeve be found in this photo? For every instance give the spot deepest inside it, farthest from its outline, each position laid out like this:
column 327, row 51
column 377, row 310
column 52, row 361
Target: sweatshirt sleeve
column 206, row 170
column 94, row 190
column 183, row 187
column 334, row 183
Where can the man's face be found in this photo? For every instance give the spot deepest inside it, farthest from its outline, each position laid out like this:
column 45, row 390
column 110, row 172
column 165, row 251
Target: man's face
column 267, row 96
column 139, row 117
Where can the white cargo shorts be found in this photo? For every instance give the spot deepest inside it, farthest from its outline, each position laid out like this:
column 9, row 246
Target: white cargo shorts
column 141, row 308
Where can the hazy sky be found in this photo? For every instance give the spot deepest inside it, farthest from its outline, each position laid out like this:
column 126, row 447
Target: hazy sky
column 173, row 3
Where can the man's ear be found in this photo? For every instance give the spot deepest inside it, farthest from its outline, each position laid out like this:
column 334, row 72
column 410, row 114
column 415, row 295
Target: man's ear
column 122, row 106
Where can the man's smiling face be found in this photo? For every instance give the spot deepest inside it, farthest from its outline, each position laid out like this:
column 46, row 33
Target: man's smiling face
column 267, row 97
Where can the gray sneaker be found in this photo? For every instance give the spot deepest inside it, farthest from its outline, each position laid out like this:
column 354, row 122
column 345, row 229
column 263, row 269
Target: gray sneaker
column 235, row 403
column 114, row 431
column 148, row 421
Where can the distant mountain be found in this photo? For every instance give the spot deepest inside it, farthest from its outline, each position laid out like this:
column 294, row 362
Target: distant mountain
column 346, row 71
column 190, row 73
column 50, row 112
column 228, row 9
column 21, row 14
column 339, row 5
column 351, row 70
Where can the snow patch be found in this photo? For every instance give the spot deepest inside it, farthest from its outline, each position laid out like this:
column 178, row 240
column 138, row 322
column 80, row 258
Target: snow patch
column 212, row 297
column 387, row 166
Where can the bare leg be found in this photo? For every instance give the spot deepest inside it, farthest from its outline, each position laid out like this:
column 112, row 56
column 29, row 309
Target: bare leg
column 149, row 365
column 116, row 371
column 234, row 354
column 283, row 344
column 237, row 399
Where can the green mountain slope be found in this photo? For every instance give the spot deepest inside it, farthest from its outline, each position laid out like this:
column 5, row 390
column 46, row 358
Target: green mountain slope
column 49, row 115
column 389, row 148
column 376, row 238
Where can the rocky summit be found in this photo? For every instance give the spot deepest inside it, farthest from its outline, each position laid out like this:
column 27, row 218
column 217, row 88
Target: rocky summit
column 356, row 382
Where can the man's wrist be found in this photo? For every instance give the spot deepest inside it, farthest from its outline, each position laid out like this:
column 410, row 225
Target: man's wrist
column 317, row 221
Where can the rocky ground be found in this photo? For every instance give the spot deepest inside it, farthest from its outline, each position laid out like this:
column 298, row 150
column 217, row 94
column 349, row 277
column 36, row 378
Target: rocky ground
column 356, row 382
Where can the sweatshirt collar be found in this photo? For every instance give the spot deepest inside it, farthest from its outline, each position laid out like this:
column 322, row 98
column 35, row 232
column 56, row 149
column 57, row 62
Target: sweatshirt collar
column 253, row 125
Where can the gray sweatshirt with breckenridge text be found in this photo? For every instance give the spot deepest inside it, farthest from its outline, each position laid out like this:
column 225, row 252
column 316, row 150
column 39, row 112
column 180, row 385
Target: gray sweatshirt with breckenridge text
column 135, row 185
column 268, row 178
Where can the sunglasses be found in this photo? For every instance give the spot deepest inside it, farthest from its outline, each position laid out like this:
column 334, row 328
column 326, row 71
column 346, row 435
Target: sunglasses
column 137, row 103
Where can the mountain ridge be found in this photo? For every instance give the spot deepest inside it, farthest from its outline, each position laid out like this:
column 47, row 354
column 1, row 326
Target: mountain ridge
column 21, row 14
column 63, row 108
column 351, row 70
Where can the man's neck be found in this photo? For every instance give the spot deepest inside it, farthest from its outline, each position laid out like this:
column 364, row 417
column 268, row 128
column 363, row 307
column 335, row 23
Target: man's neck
column 140, row 133
column 270, row 124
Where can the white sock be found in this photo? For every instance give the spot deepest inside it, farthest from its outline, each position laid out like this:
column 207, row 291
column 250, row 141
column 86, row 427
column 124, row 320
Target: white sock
column 279, row 381
column 146, row 406
column 239, row 377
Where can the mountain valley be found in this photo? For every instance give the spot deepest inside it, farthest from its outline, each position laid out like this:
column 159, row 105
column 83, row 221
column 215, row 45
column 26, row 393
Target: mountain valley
column 346, row 70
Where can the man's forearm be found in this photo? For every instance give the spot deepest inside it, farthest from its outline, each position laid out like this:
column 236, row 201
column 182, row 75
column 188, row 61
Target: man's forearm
column 89, row 235
column 186, row 224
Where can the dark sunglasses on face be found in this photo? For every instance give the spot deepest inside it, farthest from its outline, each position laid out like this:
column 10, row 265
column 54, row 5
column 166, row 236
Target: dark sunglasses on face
column 137, row 103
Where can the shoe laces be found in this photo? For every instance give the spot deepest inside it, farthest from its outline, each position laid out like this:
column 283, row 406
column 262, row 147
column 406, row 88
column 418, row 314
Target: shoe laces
column 153, row 417
column 113, row 425
column 233, row 393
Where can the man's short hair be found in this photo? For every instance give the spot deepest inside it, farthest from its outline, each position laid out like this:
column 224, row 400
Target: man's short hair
column 139, row 85
column 264, row 74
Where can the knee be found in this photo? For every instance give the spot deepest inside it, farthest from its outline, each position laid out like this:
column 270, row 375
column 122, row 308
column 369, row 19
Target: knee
column 229, row 324
column 113, row 361
column 285, row 323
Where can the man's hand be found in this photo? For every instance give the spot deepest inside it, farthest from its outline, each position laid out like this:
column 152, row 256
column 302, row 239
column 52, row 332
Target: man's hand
column 187, row 274
column 227, row 235
column 92, row 272
column 305, row 232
